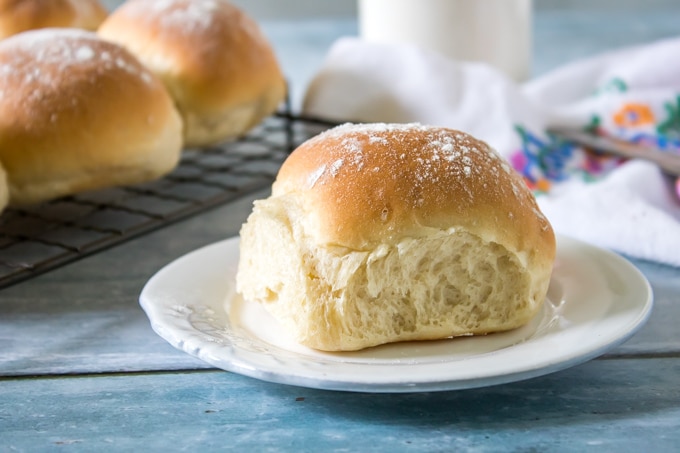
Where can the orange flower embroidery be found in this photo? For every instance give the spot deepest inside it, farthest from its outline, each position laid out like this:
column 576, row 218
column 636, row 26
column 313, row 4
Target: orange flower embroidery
column 632, row 115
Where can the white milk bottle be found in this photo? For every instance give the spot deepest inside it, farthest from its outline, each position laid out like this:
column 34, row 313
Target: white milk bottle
column 497, row 32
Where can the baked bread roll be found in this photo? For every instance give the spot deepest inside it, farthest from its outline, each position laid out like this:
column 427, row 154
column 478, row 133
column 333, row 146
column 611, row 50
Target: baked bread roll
column 79, row 113
column 22, row 15
column 215, row 61
column 381, row 233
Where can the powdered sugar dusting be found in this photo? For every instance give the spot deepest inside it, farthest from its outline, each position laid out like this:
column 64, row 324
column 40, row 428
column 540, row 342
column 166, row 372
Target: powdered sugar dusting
column 183, row 15
column 190, row 17
column 84, row 53
column 335, row 167
column 442, row 157
column 37, row 60
column 315, row 175
column 441, row 145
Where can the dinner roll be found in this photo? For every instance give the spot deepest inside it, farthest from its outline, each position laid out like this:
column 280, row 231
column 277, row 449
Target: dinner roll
column 21, row 15
column 215, row 61
column 79, row 113
column 381, row 233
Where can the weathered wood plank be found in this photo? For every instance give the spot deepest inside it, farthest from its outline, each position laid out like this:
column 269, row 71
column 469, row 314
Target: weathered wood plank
column 611, row 405
column 661, row 333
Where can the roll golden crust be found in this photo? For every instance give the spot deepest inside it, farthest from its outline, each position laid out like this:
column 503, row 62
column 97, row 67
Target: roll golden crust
column 389, row 232
column 215, row 61
column 368, row 184
column 79, row 113
column 22, row 15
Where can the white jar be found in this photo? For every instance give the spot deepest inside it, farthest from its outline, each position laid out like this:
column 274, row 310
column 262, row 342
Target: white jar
column 497, row 32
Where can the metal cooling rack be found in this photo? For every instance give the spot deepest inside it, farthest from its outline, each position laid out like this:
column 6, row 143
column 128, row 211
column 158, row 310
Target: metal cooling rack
column 39, row 238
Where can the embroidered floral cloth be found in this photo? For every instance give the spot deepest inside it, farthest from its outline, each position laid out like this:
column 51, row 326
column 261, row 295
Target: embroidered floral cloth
column 634, row 94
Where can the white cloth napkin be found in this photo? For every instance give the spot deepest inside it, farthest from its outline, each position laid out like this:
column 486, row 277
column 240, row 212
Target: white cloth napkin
column 630, row 207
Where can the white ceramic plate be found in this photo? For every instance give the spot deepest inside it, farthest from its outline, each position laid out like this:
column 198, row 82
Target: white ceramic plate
column 596, row 301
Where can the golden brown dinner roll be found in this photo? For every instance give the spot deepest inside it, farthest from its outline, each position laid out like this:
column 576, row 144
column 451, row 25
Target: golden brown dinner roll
column 380, row 233
column 21, row 15
column 215, row 61
column 80, row 113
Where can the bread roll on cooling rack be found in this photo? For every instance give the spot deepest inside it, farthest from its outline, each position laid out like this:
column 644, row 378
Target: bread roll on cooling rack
column 21, row 15
column 380, row 233
column 79, row 113
column 218, row 66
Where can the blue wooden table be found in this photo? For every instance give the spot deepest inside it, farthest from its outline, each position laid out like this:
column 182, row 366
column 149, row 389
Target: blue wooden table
column 82, row 370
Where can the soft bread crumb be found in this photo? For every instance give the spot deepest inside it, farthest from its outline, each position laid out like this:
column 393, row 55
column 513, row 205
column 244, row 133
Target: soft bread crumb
column 444, row 284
